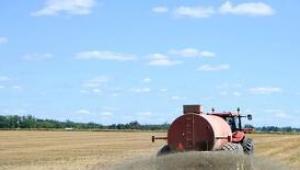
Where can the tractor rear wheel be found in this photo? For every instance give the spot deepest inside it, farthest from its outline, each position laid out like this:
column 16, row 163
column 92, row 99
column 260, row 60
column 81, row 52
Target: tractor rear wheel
column 232, row 147
column 164, row 150
column 248, row 146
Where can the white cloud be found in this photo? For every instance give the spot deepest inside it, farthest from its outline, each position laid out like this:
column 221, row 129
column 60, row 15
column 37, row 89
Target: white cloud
column 158, row 59
column 96, row 82
column 207, row 67
column 206, row 54
column 8, row 84
column 83, row 111
column 141, row 90
column 95, row 85
column 106, row 114
column 96, row 90
column 17, row 87
column 4, row 78
column 37, row 57
column 192, row 52
column 147, row 80
column 237, row 94
column 163, row 90
column 160, row 9
column 3, row 40
column 251, row 8
column 177, row 98
column 116, row 91
column 70, row 7
column 265, row 90
column 194, row 11
column 104, row 55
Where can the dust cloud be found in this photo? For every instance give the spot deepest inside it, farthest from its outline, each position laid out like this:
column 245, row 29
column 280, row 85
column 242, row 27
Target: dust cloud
column 199, row 161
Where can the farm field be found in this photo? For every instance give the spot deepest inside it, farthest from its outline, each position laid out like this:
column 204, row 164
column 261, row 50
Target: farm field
column 24, row 150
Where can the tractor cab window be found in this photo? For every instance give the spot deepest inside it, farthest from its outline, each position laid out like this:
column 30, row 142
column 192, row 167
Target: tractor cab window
column 233, row 122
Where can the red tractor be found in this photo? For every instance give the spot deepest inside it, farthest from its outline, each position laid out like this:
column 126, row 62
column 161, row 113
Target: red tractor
column 198, row 131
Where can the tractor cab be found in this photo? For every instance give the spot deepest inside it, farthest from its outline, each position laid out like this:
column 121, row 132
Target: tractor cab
column 234, row 119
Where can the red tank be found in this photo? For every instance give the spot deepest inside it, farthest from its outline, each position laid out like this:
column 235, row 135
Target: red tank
column 197, row 131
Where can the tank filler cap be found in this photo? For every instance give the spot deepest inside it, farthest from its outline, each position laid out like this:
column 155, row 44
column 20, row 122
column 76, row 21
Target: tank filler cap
column 192, row 109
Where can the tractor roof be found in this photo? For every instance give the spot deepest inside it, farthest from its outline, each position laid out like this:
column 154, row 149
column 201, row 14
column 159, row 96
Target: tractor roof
column 224, row 114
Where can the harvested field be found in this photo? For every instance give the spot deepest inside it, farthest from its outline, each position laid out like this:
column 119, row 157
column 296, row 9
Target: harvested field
column 201, row 161
column 103, row 150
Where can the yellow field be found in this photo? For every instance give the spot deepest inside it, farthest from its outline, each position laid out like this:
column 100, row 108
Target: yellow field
column 82, row 150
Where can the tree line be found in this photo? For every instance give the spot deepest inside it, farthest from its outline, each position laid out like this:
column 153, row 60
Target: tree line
column 30, row 122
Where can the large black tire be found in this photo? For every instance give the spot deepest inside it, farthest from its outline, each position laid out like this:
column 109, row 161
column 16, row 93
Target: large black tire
column 232, row 147
column 248, row 146
column 164, row 150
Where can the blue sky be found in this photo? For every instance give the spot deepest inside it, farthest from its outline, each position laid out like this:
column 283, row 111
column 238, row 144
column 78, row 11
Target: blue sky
column 113, row 62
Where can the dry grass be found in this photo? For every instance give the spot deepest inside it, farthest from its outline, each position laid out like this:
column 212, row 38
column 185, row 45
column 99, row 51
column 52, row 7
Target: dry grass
column 70, row 150
column 83, row 150
column 282, row 148
column 191, row 161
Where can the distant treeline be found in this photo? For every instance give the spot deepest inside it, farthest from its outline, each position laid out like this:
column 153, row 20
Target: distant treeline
column 274, row 129
column 30, row 122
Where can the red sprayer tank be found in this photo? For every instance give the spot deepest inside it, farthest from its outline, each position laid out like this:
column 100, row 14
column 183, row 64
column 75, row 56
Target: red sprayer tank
column 197, row 131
